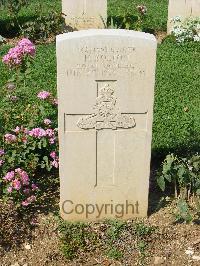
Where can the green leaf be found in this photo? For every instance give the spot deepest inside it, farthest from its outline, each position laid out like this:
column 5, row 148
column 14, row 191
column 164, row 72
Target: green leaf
column 168, row 177
column 161, row 182
column 198, row 192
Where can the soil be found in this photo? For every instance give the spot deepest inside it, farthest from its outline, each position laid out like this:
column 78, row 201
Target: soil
column 39, row 244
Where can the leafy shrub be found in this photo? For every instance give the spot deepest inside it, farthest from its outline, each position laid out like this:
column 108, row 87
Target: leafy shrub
column 183, row 173
column 183, row 212
column 44, row 26
column 128, row 21
column 186, row 30
column 13, row 7
column 76, row 237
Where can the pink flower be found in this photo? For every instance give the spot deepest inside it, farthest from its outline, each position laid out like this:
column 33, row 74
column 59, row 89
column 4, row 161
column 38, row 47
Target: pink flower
column 53, row 154
column 26, row 131
column 16, row 184
column 37, row 133
column 52, row 140
column 55, row 164
column 13, row 57
column 43, row 95
column 23, row 176
column 9, row 176
column 25, row 203
column 16, row 55
column 26, row 191
column 2, row 152
column 31, row 199
column 27, row 47
column 1, row 162
column 17, row 129
column 9, row 138
column 9, row 189
column 50, row 132
column 47, row 121
column 34, row 187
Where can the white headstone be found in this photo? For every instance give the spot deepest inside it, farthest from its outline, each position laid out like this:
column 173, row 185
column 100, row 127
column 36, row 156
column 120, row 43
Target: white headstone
column 85, row 14
column 106, row 93
column 182, row 8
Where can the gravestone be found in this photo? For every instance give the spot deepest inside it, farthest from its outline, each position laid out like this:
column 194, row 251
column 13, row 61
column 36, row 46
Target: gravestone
column 85, row 14
column 182, row 8
column 106, row 92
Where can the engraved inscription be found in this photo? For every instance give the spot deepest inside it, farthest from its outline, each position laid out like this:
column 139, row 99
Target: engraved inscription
column 105, row 62
column 106, row 115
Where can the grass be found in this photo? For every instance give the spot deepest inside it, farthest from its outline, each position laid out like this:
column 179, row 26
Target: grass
column 156, row 18
column 176, row 111
column 156, row 11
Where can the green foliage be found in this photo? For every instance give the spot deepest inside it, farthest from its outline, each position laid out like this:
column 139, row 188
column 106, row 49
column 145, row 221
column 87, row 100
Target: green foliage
column 114, row 230
column 114, row 253
column 143, row 230
column 28, row 108
column 27, row 13
column 183, row 212
column 155, row 20
column 44, row 27
column 76, row 237
column 128, row 22
column 183, row 173
column 13, row 7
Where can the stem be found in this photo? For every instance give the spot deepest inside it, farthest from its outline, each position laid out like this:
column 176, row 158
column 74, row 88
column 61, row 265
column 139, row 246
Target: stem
column 175, row 188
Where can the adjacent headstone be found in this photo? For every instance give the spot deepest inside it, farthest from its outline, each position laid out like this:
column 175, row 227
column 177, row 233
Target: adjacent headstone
column 106, row 92
column 85, row 14
column 182, row 8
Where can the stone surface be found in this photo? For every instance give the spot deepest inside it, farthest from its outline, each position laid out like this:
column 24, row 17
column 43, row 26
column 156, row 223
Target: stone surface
column 183, row 8
column 85, row 14
column 106, row 91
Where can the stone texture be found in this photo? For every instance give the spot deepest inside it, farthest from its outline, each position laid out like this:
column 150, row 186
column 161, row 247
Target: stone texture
column 106, row 91
column 183, row 8
column 85, row 14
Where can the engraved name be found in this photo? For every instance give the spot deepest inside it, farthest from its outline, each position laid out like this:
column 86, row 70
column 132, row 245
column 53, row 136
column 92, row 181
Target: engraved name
column 105, row 61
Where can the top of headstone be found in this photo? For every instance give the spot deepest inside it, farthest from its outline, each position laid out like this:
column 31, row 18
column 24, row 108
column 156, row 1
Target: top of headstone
column 106, row 32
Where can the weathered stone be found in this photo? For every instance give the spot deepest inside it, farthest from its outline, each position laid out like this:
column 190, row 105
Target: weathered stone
column 106, row 91
column 85, row 14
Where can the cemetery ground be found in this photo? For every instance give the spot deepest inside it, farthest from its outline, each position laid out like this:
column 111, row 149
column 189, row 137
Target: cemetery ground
column 36, row 235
